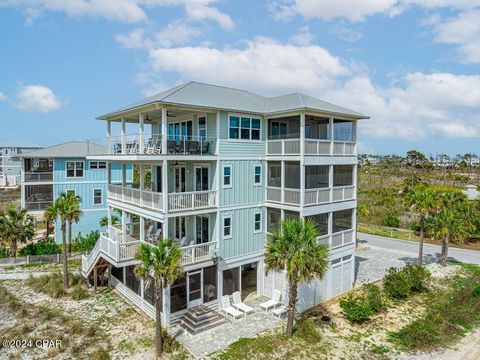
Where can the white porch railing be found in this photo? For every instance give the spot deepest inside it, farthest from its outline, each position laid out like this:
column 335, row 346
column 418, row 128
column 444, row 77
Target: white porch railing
column 323, row 240
column 342, row 193
column 191, row 200
column 317, row 196
column 38, row 176
column 143, row 198
column 317, row 147
column 196, row 253
column 344, row 148
column 342, row 238
column 291, row 196
column 312, row 147
column 283, row 147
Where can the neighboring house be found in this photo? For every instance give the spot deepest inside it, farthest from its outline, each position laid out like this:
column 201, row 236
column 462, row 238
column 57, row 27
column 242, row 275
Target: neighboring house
column 471, row 192
column 10, row 164
column 227, row 166
column 48, row 172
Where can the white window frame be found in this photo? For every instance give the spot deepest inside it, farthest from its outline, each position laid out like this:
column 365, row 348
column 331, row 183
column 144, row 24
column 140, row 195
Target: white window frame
column 198, row 125
column 229, row 115
column 97, row 166
column 74, row 169
column 255, row 175
column 229, row 186
column 101, row 197
column 255, row 231
column 223, row 227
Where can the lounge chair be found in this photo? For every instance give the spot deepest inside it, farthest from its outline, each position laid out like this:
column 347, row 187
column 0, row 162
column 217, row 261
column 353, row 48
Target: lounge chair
column 280, row 311
column 228, row 309
column 274, row 302
column 239, row 305
column 156, row 237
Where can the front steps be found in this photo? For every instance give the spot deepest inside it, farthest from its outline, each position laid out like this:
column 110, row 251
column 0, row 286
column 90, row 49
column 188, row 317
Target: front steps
column 201, row 318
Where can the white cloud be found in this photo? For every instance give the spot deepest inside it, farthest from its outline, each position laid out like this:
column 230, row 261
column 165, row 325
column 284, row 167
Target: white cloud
column 3, row 97
column 345, row 32
column 37, row 98
column 202, row 12
column 302, row 37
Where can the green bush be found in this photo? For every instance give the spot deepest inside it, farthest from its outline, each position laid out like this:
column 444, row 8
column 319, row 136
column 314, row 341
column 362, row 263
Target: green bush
column 79, row 292
column 391, row 220
column 476, row 291
column 396, row 284
column 307, row 330
column 4, row 253
column 418, row 276
column 45, row 246
column 52, row 284
column 375, row 298
column 356, row 308
column 85, row 243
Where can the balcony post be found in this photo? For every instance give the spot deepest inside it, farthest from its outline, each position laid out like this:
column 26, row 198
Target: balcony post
column 141, row 171
column 302, row 159
column 217, row 142
column 109, row 137
column 164, row 130
column 124, row 137
column 141, row 133
column 282, row 181
column 165, row 185
column 142, row 228
column 331, row 122
column 330, row 228
column 124, row 225
column 109, row 214
column 330, row 182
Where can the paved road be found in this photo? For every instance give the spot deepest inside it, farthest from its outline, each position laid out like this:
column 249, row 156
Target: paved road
column 431, row 252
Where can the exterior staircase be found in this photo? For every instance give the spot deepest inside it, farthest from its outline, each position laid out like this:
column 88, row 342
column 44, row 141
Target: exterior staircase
column 201, row 318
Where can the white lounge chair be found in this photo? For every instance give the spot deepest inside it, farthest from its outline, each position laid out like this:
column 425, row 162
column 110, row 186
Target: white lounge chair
column 228, row 309
column 280, row 311
column 239, row 305
column 274, row 302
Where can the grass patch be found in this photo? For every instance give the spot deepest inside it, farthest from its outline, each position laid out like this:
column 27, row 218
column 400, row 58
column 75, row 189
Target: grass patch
column 52, row 284
column 452, row 310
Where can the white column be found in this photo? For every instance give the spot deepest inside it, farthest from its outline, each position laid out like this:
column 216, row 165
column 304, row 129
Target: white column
column 141, row 133
column 141, row 171
column 165, row 228
column 142, row 228
column 217, row 144
column 109, row 137
column 165, row 185
column 164, row 130
column 282, row 180
column 355, row 124
column 124, row 137
column 302, row 161
column 109, row 214
column 331, row 135
column 330, row 227
column 330, row 181
column 124, row 225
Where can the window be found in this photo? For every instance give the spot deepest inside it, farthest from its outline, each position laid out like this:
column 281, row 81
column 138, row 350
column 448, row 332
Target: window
column 321, row 221
column 342, row 175
column 202, row 127
column 316, row 176
column 274, row 216
column 227, row 227
column 258, row 174
column 227, row 176
column 94, row 165
column 274, row 174
column 292, row 175
column 244, row 128
column 97, row 197
column 257, row 227
column 342, row 220
column 342, row 130
column 74, row 169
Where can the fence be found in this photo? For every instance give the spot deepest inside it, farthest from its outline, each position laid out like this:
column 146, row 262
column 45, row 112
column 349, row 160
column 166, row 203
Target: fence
column 30, row 259
column 396, row 233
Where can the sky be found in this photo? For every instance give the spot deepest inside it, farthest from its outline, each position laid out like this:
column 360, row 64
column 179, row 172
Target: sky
column 411, row 65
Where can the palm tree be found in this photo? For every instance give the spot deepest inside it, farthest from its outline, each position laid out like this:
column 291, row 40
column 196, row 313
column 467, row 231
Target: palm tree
column 16, row 226
column 104, row 220
column 159, row 265
column 293, row 248
column 60, row 210
column 73, row 214
column 423, row 201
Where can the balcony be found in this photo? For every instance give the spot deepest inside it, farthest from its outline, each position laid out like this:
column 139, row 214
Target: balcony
column 184, row 201
column 38, row 176
column 312, row 196
column 343, row 238
column 38, row 197
column 312, row 147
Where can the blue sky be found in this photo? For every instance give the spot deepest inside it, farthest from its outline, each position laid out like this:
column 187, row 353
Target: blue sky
column 412, row 65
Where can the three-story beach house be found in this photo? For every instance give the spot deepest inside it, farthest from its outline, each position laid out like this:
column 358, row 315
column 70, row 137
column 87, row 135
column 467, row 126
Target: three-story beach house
column 48, row 172
column 226, row 166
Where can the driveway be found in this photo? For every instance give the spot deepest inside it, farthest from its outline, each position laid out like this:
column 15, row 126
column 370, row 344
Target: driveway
column 375, row 254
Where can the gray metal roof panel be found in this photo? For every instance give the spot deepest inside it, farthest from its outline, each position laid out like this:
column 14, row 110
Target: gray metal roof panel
column 71, row 149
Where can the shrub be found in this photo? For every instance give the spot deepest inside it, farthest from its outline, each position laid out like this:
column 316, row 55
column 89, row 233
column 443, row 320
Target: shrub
column 307, row 330
column 418, row 276
column 85, row 243
column 45, row 246
column 356, row 308
column 396, row 284
column 375, row 298
column 476, row 291
column 79, row 292
column 4, row 253
column 391, row 220
column 52, row 284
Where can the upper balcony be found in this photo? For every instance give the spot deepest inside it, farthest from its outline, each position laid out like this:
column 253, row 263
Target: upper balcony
column 321, row 136
column 38, row 170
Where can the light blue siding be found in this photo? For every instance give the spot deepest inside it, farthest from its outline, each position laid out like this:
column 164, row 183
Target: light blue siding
column 88, row 222
column 243, row 241
column 243, row 190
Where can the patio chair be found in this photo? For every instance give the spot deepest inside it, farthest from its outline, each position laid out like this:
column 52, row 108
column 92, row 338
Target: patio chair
column 156, row 237
column 150, row 148
column 183, row 241
column 239, row 305
column 273, row 302
column 280, row 311
column 157, row 146
column 148, row 234
column 171, row 146
column 228, row 309
column 192, row 147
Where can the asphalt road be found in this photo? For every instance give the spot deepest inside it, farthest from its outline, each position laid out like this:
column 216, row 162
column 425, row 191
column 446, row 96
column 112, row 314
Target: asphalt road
column 431, row 252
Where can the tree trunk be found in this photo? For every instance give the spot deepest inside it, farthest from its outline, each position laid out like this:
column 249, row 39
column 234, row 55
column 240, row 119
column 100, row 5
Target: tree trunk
column 70, row 238
column 65, row 267
column 13, row 248
column 444, row 250
column 292, row 300
column 158, row 319
column 420, row 245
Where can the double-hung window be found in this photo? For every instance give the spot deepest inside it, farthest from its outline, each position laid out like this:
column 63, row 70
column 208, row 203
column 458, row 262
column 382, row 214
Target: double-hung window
column 244, row 128
column 257, row 224
column 97, row 197
column 258, row 175
column 202, row 127
column 227, row 176
column 227, row 227
column 74, row 169
column 98, row 165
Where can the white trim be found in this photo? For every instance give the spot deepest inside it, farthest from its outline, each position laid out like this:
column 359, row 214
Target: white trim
column 74, row 169
column 223, row 226
column 255, row 166
column 201, row 166
column 98, row 165
column 93, row 197
column 209, row 225
column 255, row 221
column 240, row 115
column 198, row 125
column 229, row 186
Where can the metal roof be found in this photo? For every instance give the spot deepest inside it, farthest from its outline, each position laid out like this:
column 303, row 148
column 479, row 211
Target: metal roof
column 225, row 98
column 71, row 149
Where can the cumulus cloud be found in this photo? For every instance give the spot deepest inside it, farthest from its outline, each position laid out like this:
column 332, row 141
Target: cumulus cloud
column 3, row 97
column 37, row 98
column 302, row 37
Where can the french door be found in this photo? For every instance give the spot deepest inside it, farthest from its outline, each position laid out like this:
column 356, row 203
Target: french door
column 202, row 223
column 180, row 131
column 201, row 178
column 194, row 288
column 180, row 178
column 180, row 229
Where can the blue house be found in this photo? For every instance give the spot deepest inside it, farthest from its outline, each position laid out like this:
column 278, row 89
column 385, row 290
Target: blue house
column 48, row 172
